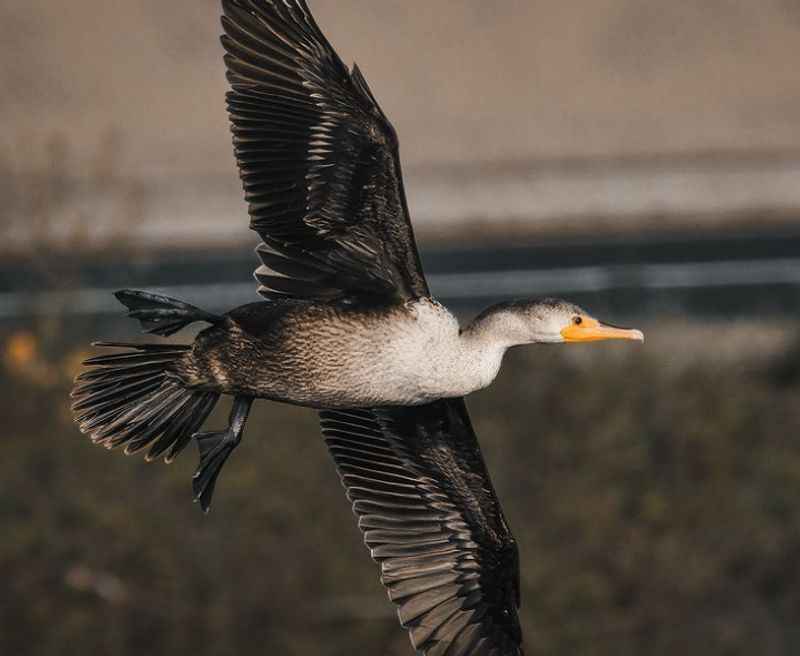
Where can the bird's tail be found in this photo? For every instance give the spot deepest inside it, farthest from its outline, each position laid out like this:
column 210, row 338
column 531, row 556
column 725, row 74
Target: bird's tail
column 133, row 398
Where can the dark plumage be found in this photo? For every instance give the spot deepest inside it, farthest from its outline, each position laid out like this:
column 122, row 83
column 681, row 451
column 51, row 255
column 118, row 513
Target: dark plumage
column 430, row 518
column 321, row 173
column 348, row 327
column 318, row 159
column 133, row 399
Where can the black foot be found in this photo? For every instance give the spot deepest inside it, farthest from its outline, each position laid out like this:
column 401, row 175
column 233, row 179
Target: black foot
column 214, row 451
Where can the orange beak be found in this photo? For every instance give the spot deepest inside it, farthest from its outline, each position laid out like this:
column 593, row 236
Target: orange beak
column 591, row 330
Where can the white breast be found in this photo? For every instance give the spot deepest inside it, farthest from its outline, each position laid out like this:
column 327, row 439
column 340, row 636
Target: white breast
column 425, row 358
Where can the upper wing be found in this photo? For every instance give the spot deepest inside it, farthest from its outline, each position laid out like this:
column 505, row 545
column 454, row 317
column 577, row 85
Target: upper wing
column 432, row 521
column 318, row 159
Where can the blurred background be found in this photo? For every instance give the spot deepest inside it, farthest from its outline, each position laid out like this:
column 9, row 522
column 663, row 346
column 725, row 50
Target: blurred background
column 640, row 158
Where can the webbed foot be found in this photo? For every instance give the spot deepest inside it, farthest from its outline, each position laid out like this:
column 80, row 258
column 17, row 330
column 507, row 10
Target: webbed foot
column 215, row 447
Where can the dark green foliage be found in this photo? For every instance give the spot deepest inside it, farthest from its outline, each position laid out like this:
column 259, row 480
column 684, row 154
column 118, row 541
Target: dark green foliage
column 657, row 512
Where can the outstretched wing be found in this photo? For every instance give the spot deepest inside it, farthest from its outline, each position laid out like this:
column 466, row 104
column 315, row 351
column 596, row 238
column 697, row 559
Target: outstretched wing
column 318, row 159
column 431, row 519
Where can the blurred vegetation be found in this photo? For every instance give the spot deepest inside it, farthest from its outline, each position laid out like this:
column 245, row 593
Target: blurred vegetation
column 657, row 510
column 56, row 202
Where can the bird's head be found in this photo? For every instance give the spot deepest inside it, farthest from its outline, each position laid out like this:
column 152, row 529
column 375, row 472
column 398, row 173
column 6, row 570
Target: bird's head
column 547, row 321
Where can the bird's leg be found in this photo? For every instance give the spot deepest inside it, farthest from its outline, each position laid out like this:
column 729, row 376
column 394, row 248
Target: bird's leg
column 215, row 447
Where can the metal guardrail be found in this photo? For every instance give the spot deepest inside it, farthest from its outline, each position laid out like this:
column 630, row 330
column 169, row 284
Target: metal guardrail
column 464, row 287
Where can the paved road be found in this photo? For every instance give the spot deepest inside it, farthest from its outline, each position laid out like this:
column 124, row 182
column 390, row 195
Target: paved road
column 737, row 275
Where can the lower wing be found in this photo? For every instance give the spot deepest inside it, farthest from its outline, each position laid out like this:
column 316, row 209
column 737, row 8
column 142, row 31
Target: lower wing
column 432, row 521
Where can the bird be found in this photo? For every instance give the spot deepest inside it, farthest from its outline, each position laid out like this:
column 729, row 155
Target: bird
column 346, row 325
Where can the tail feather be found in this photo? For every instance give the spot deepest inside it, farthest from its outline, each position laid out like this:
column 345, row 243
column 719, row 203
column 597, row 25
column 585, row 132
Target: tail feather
column 162, row 315
column 96, row 394
column 153, row 421
column 133, row 399
column 101, row 373
column 173, row 441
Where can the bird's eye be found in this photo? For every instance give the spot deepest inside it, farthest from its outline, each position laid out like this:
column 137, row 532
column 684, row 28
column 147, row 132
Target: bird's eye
column 577, row 321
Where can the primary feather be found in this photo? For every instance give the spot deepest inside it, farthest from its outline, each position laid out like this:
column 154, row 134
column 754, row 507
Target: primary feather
column 318, row 160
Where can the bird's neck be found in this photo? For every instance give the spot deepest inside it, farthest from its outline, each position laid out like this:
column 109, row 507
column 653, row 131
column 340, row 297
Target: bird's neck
column 498, row 329
column 485, row 342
